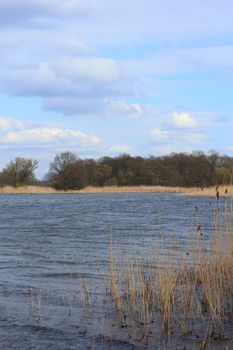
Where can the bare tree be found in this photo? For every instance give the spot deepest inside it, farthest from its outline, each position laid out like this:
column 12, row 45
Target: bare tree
column 65, row 172
column 19, row 171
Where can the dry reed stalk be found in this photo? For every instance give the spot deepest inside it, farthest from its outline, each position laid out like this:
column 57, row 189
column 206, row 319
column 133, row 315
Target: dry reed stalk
column 167, row 294
column 189, row 303
column 192, row 191
column 27, row 190
column 35, row 303
column 143, row 300
column 183, row 292
column 114, row 286
column 85, row 293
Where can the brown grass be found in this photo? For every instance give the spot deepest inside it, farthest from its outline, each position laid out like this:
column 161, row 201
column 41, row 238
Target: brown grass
column 192, row 295
column 27, row 190
column 192, row 191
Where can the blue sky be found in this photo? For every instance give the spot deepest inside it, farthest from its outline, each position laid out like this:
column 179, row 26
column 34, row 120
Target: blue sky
column 111, row 77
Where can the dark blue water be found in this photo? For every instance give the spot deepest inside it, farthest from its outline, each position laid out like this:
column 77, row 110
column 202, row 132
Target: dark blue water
column 51, row 244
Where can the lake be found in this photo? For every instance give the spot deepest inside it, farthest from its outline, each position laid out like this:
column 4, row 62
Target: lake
column 51, row 244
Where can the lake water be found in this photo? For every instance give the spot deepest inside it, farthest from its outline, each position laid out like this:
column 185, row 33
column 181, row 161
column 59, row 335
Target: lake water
column 51, row 244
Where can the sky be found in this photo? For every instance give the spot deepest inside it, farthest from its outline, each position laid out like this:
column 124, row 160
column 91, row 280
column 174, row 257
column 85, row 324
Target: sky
column 103, row 78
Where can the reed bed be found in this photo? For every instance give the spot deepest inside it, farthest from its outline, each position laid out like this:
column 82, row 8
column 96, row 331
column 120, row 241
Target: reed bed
column 192, row 191
column 27, row 190
column 188, row 296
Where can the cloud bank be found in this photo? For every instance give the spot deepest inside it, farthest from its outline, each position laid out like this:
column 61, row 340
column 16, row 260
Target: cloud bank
column 14, row 132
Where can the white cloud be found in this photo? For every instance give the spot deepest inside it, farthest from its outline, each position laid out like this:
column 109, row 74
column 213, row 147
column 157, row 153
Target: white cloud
column 159, row 134
column 68, row 68
column 131, row 110
column 8, row 123
column 74, row 105
column 69, row 45
column 71, row 85
column 46, row 136
column 183, row 120
column 83, row 57
column 68, row 77
column 126, row 20
column 92, row 68
column 120, row 149
column 177, row 137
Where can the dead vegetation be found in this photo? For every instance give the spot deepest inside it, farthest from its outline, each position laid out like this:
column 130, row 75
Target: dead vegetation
column 224, row 191
column 189, row 295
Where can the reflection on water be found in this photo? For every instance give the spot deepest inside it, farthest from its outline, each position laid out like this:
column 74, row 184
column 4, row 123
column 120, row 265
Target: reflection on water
column 50, row 244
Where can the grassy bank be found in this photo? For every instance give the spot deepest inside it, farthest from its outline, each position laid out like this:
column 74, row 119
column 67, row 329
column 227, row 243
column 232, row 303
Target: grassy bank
column 192, row 191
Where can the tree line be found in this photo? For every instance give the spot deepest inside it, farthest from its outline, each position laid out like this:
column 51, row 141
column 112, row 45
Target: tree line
column 68, row 171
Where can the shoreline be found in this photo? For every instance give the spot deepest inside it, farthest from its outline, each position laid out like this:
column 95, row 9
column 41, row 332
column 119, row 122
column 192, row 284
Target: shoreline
column 187, row 191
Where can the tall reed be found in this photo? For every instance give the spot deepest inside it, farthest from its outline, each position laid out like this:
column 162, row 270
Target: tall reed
column 188, row 295
column 192, row 191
